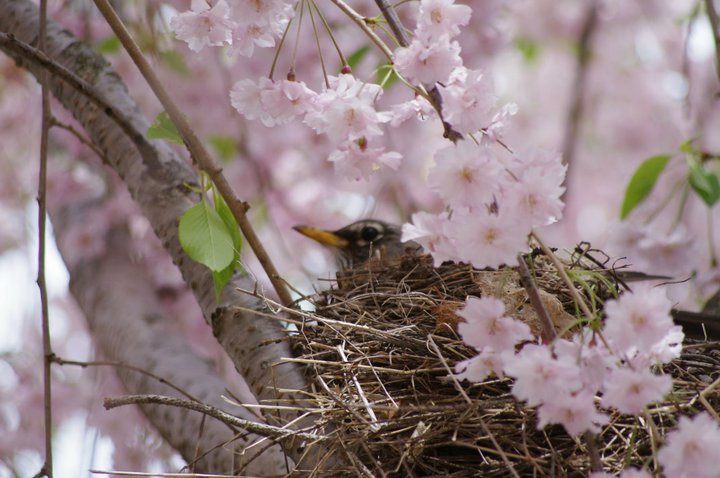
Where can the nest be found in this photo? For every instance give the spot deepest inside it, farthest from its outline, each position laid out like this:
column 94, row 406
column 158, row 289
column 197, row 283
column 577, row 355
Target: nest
column 381, row 348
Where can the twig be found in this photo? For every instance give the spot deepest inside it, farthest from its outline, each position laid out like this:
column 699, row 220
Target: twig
column 574, row 116
column 590, row 440
column 391, row 17
column 548, row 329
column 47, row 468
column 270, row 431
column 563, row 275
column 69, row 128
column 205, row 162
column 360, row 22
column 715, row 24
column 462, row 392
column 81, row 86
column 110, row 363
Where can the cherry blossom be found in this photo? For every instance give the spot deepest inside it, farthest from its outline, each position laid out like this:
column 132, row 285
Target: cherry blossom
column 466, row 175
column 346, row 111
column 439, row 17
column 418, row 107
column 487, row 326
column 536, row 195
column 272, row 102
column 489, row 240
column 576, row 412
column 428, row 59
column 638, row 320
column 428, row 230
column 204, row 25
column 469, row 100
column 356, row 160
column 539, row 377
column 480, row 366
column 630, row 391
column 690, row 451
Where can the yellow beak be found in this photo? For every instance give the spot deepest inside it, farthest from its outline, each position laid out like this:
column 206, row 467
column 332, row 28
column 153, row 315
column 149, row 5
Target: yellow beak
column 326, row 238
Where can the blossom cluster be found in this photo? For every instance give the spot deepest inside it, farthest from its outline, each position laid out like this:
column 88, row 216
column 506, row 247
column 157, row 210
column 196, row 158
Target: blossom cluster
column 242, row 25
column 492, row 201
column 573, row 381
column 344, row 111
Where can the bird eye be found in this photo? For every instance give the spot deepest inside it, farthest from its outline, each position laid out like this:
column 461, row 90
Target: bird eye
column 369, row 233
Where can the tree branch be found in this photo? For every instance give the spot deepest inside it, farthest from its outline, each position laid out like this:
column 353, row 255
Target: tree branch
column 157, row 179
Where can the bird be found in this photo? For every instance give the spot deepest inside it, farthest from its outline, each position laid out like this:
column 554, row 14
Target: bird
column 362, row 240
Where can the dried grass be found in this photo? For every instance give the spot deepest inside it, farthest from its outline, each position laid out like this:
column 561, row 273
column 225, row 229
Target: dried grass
column 382, row 343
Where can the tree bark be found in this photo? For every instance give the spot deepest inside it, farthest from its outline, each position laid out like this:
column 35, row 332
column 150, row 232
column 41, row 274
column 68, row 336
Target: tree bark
column 157, row 180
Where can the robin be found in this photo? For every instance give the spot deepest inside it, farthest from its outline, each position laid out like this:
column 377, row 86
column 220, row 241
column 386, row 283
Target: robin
column 362, row 240
column 369, row 238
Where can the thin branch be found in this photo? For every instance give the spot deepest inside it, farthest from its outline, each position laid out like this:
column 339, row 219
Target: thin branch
column 391, row 17
column 36, row 56
column 205, row 162
column 47, row 469
column 575, row 112
column 73, row 131
column 462, row 392
column 715, row 24
column 270, row 431
column 527, row 281
column 360, row 22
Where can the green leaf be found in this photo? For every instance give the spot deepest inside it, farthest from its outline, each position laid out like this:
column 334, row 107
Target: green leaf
column 225, row 146
column 108, row 45
column 642, row 182
column 703, row 182
column 205, row 237
column 357, row 56
column 386, row 76
column 221, row 278
column 230, row 223
column 164, row 128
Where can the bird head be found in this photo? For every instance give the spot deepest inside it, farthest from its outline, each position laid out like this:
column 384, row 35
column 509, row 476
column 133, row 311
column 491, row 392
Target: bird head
column 360, row 241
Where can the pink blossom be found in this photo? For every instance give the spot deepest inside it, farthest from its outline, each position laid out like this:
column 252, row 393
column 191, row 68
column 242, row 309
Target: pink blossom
column 442, row 17
column 286, row 100
column 536, row 196
column 488, row 240
column 428, row 230
column 575, row 412
column 480, row 366
column 466, row 175
column 355, row 160
column 428, row 60
column 417, row 107
column 631, row 390
column 595, row 360
column 669, row 347
column 638, row 320
column 246, row 98
column 539, row 377
column 247, row 37
column 691, row 450
column 272, row 102
column 346, row 110
column 258, row 23
column 487, row 326
column 204, row 25
column 469, row 101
